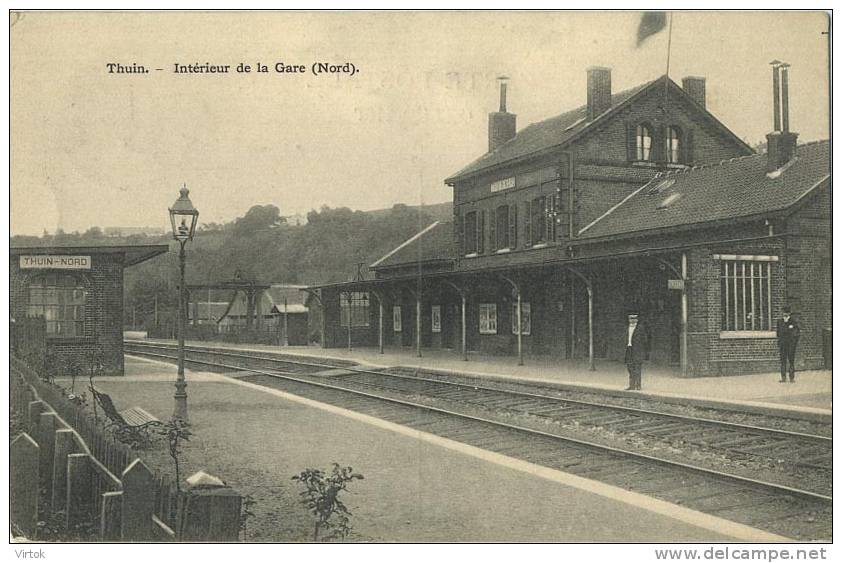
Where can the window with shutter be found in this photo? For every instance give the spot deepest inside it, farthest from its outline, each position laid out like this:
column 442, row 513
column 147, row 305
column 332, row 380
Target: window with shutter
column 502, row 227
column 527, row 223
column 631, row 142
column 688, row 148
column 550, row 218
column 481, row 232
column 539, row 220
column 492, row 234
column 659, row 144
column 470, row 229
column 513, row 226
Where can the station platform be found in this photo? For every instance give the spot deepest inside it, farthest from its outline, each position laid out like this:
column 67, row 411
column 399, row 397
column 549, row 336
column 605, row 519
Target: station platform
column 417, row 487
column 809, row 397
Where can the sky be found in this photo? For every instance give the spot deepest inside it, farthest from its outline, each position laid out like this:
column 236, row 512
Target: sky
column 93, row 148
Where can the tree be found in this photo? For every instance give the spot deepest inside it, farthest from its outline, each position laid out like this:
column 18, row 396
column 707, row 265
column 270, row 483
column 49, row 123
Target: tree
column 259, row 218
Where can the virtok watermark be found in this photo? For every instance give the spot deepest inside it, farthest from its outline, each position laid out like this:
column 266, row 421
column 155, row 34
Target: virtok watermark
column 742, row 554
column 30, row 554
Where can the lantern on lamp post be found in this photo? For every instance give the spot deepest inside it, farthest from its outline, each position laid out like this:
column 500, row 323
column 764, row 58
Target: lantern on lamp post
column 183, row 217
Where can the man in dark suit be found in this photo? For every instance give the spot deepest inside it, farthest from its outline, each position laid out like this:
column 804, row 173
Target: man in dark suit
column 788, row 333
column 637, row 350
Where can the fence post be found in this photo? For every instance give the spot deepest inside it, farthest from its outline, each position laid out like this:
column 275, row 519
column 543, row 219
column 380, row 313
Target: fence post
column 65, row 444
column 79, row 489
column 47, row 422
column 111, row 518
column 138, row 502
column 209, row 513
column 23, row 480
column 33, row 411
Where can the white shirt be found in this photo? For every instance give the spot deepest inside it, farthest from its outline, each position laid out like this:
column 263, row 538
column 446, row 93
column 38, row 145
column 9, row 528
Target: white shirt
column 631, row 332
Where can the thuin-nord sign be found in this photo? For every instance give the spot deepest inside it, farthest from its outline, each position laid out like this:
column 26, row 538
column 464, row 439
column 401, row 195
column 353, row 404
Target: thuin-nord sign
column 58, row 262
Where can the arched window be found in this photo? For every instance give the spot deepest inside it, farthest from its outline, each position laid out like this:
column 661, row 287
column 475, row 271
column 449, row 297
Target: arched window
column 644, row 142
column 673, row 148
column 60, row 299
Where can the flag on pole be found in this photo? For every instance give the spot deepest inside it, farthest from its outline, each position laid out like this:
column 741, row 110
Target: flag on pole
column 650, row 24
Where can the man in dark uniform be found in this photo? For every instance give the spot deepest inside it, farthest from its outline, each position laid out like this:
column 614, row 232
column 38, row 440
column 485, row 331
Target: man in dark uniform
column 637, row 350
column 788, row 333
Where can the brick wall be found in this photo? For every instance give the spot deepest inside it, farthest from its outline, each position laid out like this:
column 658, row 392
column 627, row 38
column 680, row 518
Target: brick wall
column 808, row 269
column 708, row 352
column 103, row 311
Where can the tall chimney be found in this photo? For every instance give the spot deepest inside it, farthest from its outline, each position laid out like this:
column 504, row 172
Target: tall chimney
column 785, row 96
column 776, row 94
column 599, row 91
column 695, row 88
column 781, row 145
column 502, row 125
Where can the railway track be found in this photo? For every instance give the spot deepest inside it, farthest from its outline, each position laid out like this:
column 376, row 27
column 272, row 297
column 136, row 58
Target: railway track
column 569, row 435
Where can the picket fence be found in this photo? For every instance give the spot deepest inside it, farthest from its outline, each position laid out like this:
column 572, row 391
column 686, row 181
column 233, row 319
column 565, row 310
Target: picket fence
column 94, row 479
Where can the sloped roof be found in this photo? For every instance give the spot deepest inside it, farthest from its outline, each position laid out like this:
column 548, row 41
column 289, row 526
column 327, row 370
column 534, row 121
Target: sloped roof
column 134, row 253
column 732, row 189
column 272, row 301
column 556, row 131
column 436, row 244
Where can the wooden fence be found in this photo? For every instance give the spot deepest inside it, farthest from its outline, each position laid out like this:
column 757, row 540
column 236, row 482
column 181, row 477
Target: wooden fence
column 90, row 477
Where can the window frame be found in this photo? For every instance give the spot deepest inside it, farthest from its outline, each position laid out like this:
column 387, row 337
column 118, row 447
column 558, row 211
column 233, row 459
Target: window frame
column 502, row 235
column 351, row 307
column 487, row 318
column 470, row 231
column 644, row 153
column 60, row 305
column 673, row 145
column 746, row 282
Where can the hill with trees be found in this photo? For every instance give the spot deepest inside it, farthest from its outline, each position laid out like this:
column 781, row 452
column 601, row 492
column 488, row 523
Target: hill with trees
column 259, row 245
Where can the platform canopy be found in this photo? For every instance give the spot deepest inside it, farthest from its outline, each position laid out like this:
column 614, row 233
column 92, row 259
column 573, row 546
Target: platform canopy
column 134, row 253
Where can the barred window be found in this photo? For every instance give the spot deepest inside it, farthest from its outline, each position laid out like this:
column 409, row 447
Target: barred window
column 488, row 318
column 525, row 317
column 354, row 305
column 745, row 292
column 60, row 299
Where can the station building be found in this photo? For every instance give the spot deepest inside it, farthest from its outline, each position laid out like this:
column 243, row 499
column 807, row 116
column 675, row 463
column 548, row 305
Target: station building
column 78, row 291
column 638, row 201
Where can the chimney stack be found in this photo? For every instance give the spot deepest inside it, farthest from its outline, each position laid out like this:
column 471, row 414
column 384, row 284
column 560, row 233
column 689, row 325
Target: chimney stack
column 780, row 144
column 502, row 125
column 599, row 91
column 695, row 88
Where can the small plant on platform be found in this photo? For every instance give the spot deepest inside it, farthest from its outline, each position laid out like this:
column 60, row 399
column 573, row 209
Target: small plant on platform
column 176, row 431
column 321, row 497
column 95, row 368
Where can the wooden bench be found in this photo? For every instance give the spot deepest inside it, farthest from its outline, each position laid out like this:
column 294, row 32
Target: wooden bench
column 133, row 423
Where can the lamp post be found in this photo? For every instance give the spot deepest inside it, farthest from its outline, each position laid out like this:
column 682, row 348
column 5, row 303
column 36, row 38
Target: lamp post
column 183, row 217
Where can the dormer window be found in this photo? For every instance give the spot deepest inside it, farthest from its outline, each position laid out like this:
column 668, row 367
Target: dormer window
column 644, row 142
column 673, row 145
column 471, row 246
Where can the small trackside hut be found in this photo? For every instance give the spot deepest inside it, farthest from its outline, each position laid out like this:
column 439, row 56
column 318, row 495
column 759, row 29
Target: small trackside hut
column 639, row 201
column 78, row 291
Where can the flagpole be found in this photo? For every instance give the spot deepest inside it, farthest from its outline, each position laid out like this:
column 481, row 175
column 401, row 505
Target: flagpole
column 667, row 74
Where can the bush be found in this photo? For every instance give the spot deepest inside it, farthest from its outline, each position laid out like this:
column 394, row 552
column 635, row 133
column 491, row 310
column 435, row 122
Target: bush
column 321, row 497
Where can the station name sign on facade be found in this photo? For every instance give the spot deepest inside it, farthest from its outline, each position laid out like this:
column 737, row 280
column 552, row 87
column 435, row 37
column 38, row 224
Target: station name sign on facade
column 57, row 262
